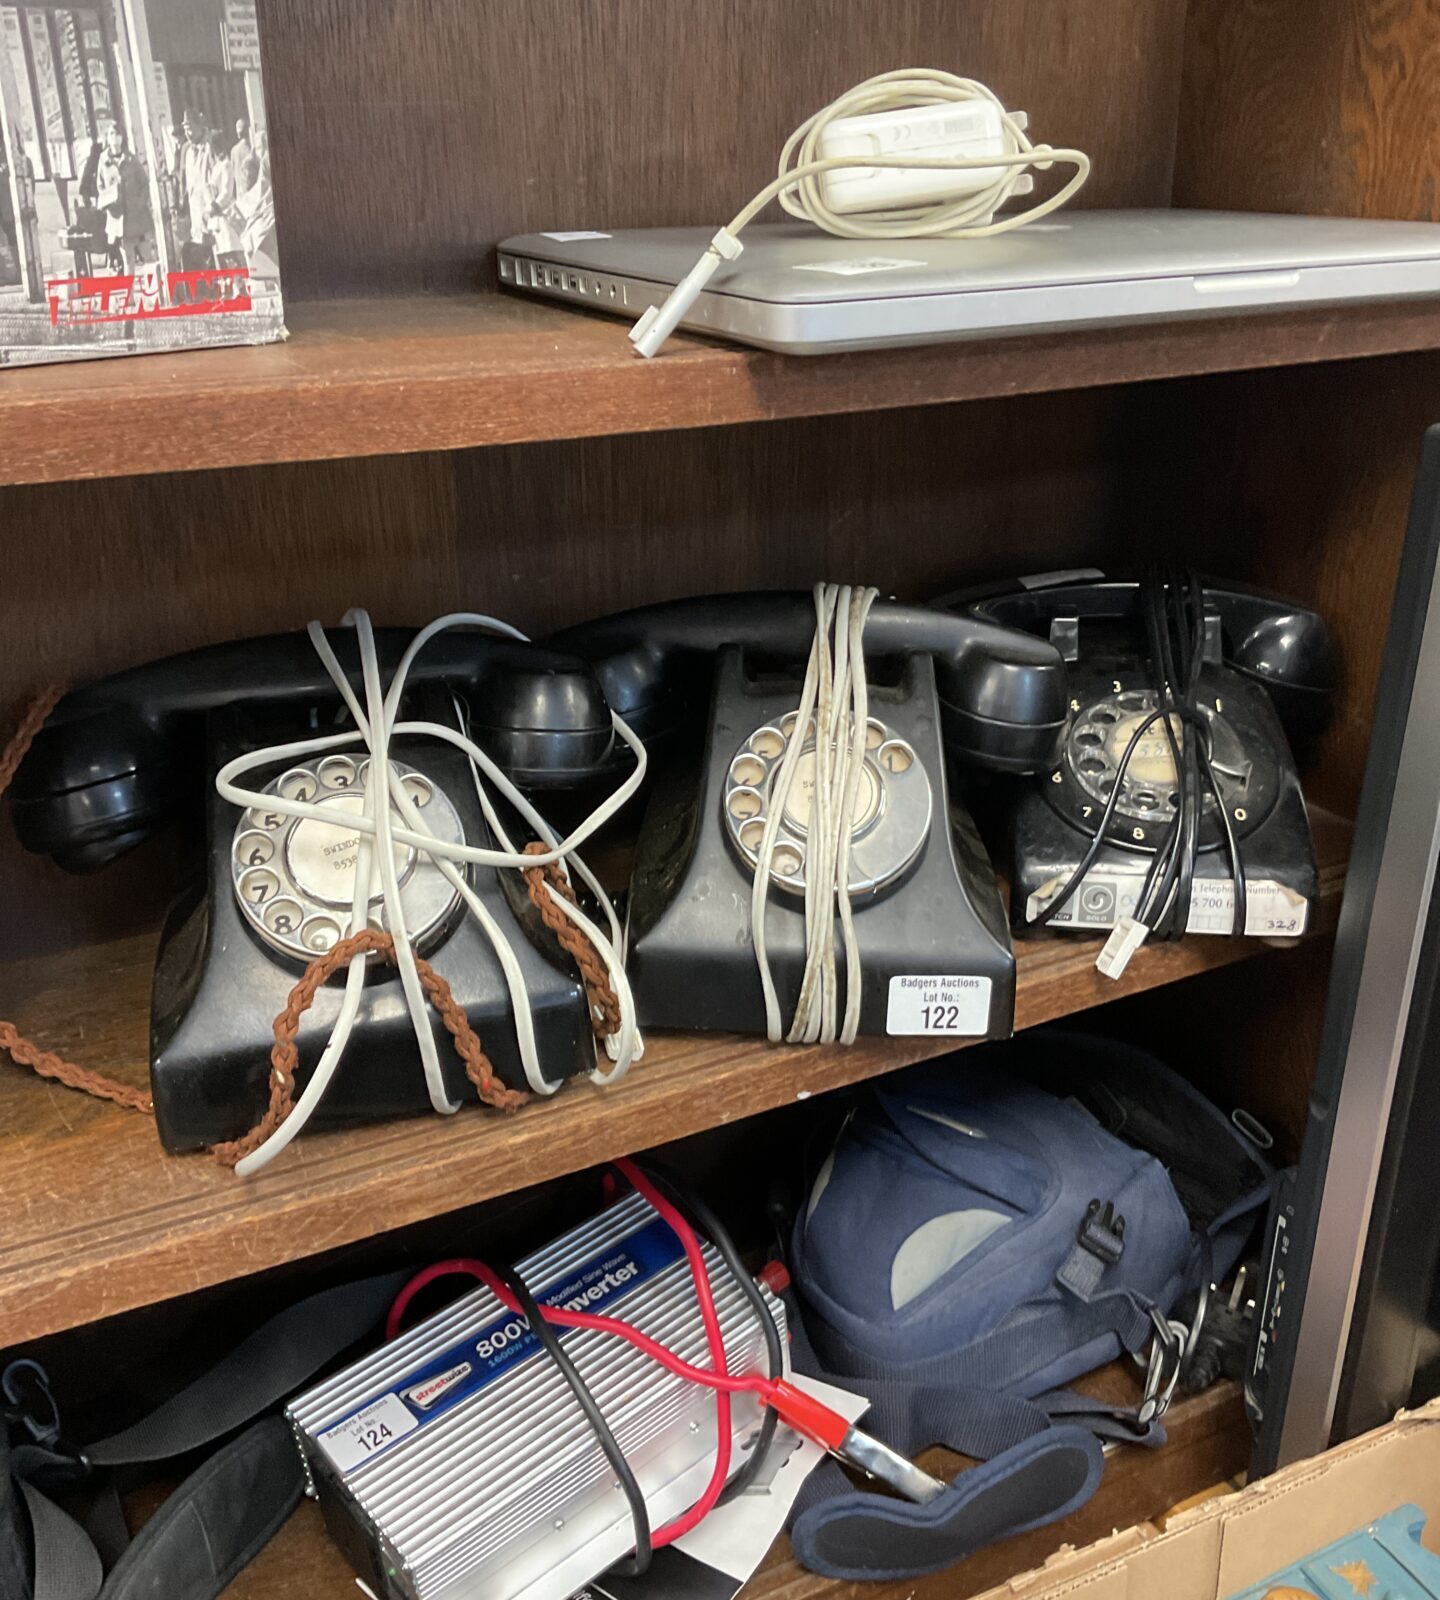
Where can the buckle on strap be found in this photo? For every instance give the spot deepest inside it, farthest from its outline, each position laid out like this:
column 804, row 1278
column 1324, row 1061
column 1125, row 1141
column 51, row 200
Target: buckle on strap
column 28, row 1402
column 1102, row 1232
column 1164, row 1365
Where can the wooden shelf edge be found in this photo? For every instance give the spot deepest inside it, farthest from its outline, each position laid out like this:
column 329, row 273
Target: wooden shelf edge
column 385, row 377
column 1209, row 1443
column 99, row 1220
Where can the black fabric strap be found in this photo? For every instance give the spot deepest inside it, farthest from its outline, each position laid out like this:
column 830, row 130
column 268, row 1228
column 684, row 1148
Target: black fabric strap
column 67, row 1564
column 271, row 1364
column 226, row 1510
column 217, row 1521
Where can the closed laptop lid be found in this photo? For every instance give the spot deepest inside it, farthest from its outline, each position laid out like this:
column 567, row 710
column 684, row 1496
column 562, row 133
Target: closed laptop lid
column 796, row 263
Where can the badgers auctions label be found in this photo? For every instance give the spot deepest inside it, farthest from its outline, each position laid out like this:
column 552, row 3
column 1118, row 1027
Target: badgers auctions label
column 959, row 1006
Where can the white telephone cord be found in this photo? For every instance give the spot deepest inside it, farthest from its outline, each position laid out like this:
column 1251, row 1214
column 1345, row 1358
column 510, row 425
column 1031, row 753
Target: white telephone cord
column 835, row 688
column 797, row 187
column 376, row 827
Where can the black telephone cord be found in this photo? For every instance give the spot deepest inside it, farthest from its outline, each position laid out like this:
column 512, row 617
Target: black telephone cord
column 549, row 1340
column 1077, row 877
column 1173, row 611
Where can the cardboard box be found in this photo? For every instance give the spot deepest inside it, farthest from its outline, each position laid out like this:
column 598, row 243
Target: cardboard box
column 1225, row 1545
column 136, row 209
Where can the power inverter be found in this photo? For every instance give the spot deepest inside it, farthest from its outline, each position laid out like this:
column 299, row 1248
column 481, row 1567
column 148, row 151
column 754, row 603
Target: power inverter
column 454, row 1462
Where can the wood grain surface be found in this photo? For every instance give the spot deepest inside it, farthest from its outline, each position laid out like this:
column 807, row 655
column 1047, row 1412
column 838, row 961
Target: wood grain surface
column 1209, row 1443
column 99, row 1220
column 1292, row 106
column 408, row 136
column 368, row 377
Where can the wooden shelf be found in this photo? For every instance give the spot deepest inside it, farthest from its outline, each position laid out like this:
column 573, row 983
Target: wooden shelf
column 99, row 1220
column 382, row 377
column 1209, row 1443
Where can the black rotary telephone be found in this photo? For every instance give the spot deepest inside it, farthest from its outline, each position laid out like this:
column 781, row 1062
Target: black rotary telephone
column 711, row 685
column 1175, row 779
column 120, row 759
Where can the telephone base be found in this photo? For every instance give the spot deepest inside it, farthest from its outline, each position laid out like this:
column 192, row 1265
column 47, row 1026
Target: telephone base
column 218, row 989
column 692, row 958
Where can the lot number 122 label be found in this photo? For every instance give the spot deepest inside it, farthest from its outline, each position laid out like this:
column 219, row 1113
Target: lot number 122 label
column 958, row 1006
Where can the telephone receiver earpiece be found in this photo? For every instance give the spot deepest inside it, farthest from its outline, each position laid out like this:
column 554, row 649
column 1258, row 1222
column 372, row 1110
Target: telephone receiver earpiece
column 119, row 759
column 1003, row 693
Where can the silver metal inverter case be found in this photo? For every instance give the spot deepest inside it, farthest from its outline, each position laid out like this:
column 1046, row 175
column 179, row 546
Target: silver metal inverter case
column 455, row 1463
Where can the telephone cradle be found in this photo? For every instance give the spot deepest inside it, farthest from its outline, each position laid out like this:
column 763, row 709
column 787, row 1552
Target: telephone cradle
column 1264, row 675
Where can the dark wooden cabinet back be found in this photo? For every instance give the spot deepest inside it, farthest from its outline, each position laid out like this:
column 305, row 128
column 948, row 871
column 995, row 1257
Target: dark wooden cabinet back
column 410, row 135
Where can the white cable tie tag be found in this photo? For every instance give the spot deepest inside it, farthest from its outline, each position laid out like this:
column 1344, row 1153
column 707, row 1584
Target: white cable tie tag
column 570, row 238
column 939, row 1005
column 1124, row 941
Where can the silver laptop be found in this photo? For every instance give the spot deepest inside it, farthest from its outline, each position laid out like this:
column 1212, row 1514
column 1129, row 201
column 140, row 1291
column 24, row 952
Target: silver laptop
column 799, row 290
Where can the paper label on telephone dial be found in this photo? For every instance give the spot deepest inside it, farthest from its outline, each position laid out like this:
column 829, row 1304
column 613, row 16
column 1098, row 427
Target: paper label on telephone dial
column 949, row 1005
column 1274, row 911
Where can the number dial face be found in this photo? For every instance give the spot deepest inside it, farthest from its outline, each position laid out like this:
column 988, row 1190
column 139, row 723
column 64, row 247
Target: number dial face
column 1107, row 711
column 294, row 877
column 890, row 821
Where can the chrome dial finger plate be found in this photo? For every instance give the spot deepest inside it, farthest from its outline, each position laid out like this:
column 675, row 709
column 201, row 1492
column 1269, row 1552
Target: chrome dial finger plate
column 294, row 877
column 1096, row 746
column 890, row 819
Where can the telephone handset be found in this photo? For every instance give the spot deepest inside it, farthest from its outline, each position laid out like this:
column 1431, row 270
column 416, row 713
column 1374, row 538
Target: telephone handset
column 934, row 953
column 118, row 760
column 1156, row 745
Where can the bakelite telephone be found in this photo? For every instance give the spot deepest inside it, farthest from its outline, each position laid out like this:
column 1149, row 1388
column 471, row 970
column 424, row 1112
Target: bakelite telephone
column 1182, row 693
column 120, row 759
column 712, row 685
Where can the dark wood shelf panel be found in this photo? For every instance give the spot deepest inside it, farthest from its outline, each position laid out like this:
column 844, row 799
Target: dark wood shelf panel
column 1209, row 1443
column 99, row 1220
column 382, row 377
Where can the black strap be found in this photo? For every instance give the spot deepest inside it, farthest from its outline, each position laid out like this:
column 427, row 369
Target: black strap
column 269, row 1366
column 217, row 1521
column 229, row 1507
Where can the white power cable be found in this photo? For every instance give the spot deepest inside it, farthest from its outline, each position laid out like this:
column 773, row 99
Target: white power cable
column 835, row 691
column 798, row 188
column 378, row 836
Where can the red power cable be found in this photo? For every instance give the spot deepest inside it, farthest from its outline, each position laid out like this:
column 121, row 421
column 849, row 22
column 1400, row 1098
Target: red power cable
column 769, row 1391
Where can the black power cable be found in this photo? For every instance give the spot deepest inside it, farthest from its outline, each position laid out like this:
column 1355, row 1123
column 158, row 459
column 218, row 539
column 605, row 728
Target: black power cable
column 549, row 1339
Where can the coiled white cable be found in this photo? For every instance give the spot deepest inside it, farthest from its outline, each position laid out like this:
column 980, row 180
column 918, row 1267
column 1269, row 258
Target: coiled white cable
column 375, row 726
column 797, row 187
column 835, row 691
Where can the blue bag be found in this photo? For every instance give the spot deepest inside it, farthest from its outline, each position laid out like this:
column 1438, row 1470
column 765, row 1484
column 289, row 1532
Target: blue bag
column 972, row 1243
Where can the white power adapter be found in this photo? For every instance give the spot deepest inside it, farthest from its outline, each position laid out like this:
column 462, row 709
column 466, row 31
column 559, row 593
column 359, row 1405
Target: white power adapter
column 937, row 161
column 967, row 130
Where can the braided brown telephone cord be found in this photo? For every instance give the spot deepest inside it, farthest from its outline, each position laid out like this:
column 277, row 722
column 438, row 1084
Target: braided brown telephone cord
column 46, row 1062
column 284, row 1058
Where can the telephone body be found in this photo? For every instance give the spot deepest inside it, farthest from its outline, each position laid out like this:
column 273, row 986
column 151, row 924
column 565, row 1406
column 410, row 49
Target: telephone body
column 118, row 760
column 711, row 685
column 1267, row 668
